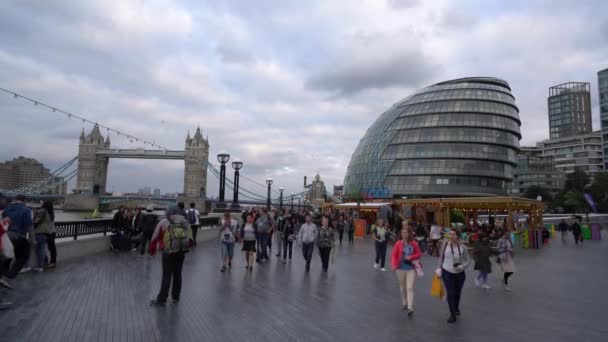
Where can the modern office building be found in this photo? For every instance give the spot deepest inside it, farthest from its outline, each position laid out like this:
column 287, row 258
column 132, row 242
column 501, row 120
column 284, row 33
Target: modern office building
column 602, row 81
column 454, row 138
column 569, row 109
column 583, row 152
column 534, row 170
column 157, row 192
column 23, row 172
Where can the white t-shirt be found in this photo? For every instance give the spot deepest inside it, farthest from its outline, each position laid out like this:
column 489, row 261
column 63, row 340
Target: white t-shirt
column 435, row 232
column 196, row 214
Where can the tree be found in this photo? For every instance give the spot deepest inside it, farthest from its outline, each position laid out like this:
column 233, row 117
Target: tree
column 599, row 191
column 576, row 181
column 575, row 201
column 534, row 191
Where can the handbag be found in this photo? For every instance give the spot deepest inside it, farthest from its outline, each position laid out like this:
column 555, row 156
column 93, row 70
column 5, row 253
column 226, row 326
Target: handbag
column 498, row 260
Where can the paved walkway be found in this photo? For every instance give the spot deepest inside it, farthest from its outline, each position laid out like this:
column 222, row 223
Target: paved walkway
column 559, row 295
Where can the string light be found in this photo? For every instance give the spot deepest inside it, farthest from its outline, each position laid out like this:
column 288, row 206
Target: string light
column 84, row 120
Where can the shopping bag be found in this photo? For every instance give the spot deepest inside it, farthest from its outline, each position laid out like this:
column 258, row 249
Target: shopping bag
column 418, row 268
column 437, row 287
column 6, row 246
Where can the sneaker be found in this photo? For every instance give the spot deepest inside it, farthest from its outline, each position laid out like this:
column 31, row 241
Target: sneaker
column 477, row 283
column 5, row 305
column 507, row 288
column 383, row 269
column 5, row 284
column 25, row 270
column 38, row 269
column 155, row 302
column 376, row 266
column 452, row 319
column 223, row 269
column 410, row 313
column 49, row 266
column 486, row 286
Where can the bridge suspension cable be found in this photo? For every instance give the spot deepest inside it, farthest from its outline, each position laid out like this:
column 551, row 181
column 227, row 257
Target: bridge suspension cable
column 70, row 115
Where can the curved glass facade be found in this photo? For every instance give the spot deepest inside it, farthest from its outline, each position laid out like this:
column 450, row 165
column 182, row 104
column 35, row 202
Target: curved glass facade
column 455, row 138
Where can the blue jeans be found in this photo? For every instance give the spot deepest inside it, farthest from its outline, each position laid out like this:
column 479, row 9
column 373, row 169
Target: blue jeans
column 307, row 249
column 40, row 249
column 453, row 283
column 262, row 246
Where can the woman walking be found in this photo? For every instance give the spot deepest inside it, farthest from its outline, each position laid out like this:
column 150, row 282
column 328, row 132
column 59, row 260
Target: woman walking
column 289, row 235
column 379, row 235
column 228, row 239
column 340, row 225
column 453, row 261
column 248, row 235
column 325, row 242
column 505, row 258
column 405, row 253
column 481, row 255
column 50, row 239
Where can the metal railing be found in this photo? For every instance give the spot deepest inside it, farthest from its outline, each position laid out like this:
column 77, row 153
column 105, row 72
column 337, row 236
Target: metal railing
column 74, row 229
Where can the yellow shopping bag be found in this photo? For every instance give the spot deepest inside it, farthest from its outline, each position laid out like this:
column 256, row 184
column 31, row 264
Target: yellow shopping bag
column 437, row 287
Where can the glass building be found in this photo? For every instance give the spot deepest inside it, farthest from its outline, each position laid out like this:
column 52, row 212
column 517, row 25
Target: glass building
column 569, row 110
column 602, row 81
column 454, row 138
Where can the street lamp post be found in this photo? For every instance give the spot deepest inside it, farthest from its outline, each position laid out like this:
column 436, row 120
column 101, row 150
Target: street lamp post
column 237, row 164
column 292, row 201
column 223, row 157
column 269, row 182
column 281, row 198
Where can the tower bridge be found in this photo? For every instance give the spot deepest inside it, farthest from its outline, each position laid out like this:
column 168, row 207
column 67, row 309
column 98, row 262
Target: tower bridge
column 95, row 152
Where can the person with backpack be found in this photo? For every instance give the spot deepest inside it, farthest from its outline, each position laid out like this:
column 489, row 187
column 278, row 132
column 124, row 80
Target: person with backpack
column 453, row 261
column 379, row 234
column 228, row 239
column 193, row 216
column 147, row 224
column 264, row 224
column 173, row 237
column 404, row 255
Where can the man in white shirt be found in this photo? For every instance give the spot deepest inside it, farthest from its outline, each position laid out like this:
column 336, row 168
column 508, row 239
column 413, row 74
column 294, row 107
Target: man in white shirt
column 435, row 238
column 192, row 215
column 306, row 238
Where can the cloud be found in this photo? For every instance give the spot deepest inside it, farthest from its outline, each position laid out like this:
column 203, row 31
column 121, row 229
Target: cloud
column 375, row 61
column 288, row 87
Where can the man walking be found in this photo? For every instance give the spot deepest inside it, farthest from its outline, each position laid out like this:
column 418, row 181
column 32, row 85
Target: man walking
column 280, row 224
column 307, row 237
column 194, row 219
column 21, row 228
column 264, row 224
column 563, row 228
column 147, row 224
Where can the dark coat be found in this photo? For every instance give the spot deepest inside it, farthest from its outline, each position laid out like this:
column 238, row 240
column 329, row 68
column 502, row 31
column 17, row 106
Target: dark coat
column 481, row 254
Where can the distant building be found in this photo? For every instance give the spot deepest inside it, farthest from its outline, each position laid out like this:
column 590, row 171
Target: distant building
column 339, row 191
column 534, row 170
column 22, row 172
column 569, row 110
column 316, row 194
column 145, row 191
column 157, row 192
column 583, row 152
column 602, row 81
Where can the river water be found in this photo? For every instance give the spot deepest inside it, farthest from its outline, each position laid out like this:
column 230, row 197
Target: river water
column 62, row 216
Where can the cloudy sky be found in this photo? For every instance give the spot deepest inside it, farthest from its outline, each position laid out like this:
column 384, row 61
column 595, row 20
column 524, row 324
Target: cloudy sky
column 288, row 86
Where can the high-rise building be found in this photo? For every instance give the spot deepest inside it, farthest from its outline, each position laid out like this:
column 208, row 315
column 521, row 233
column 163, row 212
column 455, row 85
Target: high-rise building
column 582, row 152
column 602, row 81
column 569, row 110
column 157, row 192
column 22, row 172
column 535, row 170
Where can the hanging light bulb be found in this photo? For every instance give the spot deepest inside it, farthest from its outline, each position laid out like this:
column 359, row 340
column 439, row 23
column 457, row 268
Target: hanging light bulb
column 54, row 110
column 35, row 103
column 16, row 96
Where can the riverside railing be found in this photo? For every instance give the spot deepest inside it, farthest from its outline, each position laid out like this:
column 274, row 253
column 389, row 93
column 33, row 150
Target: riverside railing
column 74, row 229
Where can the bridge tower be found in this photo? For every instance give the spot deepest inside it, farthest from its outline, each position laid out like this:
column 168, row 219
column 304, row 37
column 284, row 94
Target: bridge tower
column 196, row 155
column 92, row 170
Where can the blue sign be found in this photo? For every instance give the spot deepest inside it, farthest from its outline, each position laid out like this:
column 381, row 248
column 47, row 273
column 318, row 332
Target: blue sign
column 377, row 192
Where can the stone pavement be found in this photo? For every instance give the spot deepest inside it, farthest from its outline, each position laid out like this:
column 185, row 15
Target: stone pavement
column 558, row 296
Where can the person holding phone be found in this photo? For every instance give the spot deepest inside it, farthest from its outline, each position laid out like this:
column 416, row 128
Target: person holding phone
column 453, row 261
